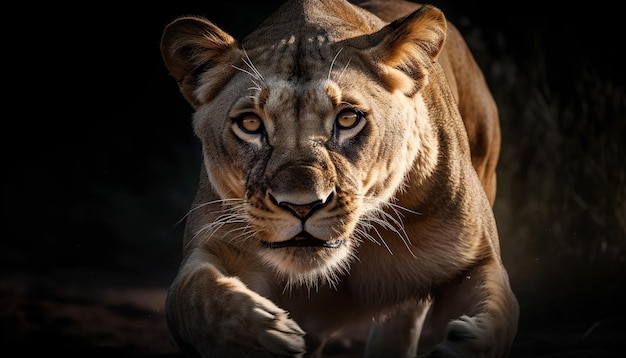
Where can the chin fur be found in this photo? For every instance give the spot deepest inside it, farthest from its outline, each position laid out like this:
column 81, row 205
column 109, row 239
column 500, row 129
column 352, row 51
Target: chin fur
column 309, row 267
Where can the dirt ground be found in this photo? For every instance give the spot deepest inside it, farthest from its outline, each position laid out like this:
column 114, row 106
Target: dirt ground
column 96, row 314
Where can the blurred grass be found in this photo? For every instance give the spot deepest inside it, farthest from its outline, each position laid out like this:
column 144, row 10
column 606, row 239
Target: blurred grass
column 561, row 204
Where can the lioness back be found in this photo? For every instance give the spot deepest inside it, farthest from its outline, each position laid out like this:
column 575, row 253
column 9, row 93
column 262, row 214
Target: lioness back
column 347, row 178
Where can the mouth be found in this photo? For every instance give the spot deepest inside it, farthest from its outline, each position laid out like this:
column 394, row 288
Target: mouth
column 304, row 239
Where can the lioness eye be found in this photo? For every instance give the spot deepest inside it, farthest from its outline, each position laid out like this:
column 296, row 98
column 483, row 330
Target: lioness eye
column 348, row 118
column 250, row 123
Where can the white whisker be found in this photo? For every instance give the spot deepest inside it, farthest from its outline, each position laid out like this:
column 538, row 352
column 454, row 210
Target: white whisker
column 344, row 69
column 332, row 63
column 371, row 238
column 393, row 223
column 199, row 206
column 245, row 233
column 254, row 72
column 244, row 71
column 226, row 212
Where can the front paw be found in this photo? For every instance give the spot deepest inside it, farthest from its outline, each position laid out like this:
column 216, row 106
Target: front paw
column 465, row 337
column 249, row 321
column 277, row 333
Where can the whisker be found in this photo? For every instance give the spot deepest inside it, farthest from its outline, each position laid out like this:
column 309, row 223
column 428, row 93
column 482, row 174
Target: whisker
column 231, row 212
column 332, row 63
column 245, row 233
column 257, row 75
column 244, row 71
column 397, row 207
column 376, row 214
column 344, row 69
column 199, row 206
column 396, row 225
column 373, row 228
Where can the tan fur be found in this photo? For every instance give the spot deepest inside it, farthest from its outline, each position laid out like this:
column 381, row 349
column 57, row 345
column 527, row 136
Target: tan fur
column 338, row 187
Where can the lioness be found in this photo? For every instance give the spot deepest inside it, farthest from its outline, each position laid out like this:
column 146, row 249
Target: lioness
column 338, row 187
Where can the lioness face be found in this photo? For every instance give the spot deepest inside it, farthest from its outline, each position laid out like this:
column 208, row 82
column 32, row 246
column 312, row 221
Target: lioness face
column 308, row 134
column 309, row 154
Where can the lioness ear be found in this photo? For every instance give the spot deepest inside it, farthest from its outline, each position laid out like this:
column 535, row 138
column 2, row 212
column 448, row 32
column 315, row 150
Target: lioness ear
column 406, row 48
column 191, row 46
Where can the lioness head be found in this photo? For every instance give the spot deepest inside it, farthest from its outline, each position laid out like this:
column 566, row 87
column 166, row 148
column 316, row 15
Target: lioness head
column 310, row 126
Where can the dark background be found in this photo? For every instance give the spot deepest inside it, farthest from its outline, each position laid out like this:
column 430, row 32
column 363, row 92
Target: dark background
column 101, row 166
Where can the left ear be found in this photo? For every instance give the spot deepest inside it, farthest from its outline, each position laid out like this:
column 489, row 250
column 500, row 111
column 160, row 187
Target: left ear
column 407, row 47
column 192, row 47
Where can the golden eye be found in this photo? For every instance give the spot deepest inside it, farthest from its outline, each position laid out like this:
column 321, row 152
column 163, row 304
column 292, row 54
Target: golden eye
column 348, row 118
column 250, row 123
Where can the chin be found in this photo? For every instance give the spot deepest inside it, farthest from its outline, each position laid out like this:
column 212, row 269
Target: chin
column 309, row 265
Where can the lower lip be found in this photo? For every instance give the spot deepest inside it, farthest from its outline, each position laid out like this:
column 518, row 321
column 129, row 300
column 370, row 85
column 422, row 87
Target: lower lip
column 304, row 242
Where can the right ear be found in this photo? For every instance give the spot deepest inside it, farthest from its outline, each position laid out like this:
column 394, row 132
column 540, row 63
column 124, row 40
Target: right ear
column 193, row 47
column 405, row 49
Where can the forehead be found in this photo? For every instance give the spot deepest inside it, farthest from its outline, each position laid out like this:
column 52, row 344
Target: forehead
column 277, row 96
column 296, row 59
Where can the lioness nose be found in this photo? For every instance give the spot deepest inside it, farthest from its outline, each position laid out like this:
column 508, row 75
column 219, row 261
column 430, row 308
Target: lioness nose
column 302, row 210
